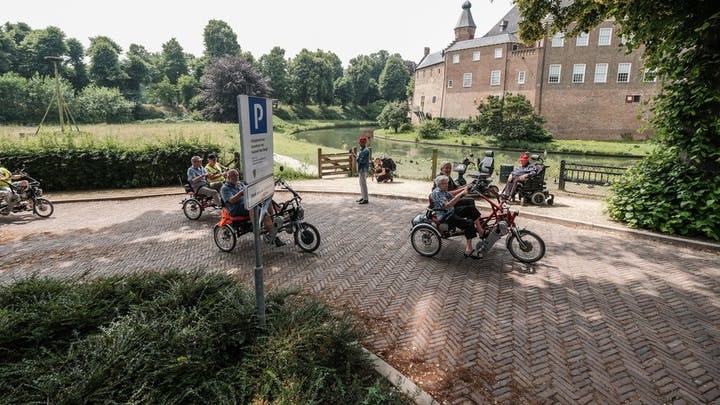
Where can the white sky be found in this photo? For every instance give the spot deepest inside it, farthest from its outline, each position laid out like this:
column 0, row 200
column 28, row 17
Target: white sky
column 347, row 28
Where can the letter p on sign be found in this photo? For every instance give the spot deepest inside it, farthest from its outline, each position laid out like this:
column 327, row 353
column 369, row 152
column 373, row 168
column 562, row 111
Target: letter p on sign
column 258, row 115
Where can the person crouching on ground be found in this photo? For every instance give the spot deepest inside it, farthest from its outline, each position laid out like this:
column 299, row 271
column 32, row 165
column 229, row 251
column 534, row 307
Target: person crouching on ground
column 381, row 172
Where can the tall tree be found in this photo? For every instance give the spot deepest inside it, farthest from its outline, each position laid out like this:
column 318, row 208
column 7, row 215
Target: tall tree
column 173, row 62
column 220, row 40
column 681, row 41
column 311, row 77
column 302, row 77
column 343, row 90
column 224, row 79
column 8, row 51
column 394, row 79
column 359, row 73
column 274, row 66
column 137, row 75
column 39, row 44
column 105, row 68
column 76, row 71
column 378, row 60
column 152, row 61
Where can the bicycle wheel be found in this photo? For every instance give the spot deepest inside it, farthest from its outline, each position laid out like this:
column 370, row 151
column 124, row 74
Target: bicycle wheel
column 526, row 246
column 425, row 239
column 225, row 238
column 192, row 208
column 43, row 207
column 307, row 237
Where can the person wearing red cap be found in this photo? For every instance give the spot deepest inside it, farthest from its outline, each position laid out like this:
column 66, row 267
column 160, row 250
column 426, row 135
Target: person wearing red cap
column 363, row 165
column 519, row 174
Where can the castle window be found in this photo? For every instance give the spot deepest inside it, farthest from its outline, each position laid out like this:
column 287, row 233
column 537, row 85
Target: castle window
column 521, row 77
column 467, row 79
column 605, row 37
column 495, row 78
column 601, row 72
column 476, row 55
column 450, row 84
column 434, row 98
column 558, row 40
column 583, row 39
column 554, row 74
column 456, row 58
column 578, row 73
column 623, row 72
column 650, row 75
column 498, row 53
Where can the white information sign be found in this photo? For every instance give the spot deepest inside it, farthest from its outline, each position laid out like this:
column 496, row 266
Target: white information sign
column 256, row 143
column 259, row 191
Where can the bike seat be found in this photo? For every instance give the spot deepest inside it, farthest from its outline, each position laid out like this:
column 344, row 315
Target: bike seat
column 227, row 219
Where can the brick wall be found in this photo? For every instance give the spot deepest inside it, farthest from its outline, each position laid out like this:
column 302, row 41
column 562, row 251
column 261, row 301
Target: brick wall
column 428, row 92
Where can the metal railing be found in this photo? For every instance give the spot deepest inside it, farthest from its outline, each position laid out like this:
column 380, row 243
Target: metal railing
column 588, row 174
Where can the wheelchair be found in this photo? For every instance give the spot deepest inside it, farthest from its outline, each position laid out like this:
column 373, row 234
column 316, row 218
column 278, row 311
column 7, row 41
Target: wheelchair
column 534, row 189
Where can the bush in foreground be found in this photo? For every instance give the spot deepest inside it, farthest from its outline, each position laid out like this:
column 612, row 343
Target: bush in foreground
column 663, row 194
column 176, row 338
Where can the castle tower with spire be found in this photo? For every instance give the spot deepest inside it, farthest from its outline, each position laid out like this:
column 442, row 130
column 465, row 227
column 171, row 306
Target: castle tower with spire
column 465, row 27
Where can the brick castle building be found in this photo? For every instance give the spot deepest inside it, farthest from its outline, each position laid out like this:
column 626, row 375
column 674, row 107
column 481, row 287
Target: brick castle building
column 586, row 87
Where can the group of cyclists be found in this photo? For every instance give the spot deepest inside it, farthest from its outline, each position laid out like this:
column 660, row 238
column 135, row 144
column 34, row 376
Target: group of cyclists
column 223, row 185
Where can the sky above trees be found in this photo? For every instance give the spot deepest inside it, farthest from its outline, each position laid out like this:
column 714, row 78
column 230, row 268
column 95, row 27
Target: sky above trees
column 348, row 29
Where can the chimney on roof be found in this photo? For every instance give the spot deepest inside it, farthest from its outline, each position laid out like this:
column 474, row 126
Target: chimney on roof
column 426, row 51
column 503, row 25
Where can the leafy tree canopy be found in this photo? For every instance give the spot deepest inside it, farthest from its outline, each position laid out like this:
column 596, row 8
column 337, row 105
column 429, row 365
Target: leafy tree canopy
column 220, row 39
column 224, row 79
column 681, row 41
column 511, row 120
column 173, row 62
column 274, row 66
column 394, row 79
column 394, row 115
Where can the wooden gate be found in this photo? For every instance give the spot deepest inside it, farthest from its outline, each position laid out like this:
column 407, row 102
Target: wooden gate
column 335, row 163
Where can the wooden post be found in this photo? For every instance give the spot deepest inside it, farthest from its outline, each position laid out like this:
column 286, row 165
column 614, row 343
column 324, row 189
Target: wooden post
column 434, row 163
column 320, row 162
column 353, row 162
column 561, row 181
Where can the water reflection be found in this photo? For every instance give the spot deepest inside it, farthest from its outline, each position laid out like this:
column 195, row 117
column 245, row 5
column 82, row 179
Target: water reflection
column 415, row 160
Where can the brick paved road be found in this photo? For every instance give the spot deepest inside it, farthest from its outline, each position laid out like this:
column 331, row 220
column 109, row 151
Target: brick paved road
column 602, row 318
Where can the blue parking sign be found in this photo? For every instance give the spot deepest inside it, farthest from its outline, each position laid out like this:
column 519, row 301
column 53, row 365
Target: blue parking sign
column 258, row 115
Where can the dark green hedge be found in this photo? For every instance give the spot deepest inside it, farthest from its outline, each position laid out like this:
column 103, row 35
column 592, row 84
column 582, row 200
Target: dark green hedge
column 98, row 167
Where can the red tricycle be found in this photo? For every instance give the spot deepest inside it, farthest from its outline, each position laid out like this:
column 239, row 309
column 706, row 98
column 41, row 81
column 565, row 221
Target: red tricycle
column 428, row 231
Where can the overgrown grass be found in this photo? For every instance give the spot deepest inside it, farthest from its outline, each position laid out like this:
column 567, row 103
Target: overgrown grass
column 138, row 135
column 175, row 338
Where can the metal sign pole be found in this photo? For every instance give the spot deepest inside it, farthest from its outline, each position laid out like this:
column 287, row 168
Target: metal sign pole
column 256, row 142
column 259, row 282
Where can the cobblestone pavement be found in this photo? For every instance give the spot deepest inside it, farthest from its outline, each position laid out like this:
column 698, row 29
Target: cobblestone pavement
column 603, row 318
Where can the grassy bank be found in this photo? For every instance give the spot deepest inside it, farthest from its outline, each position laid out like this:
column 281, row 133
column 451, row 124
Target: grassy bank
column 619, row 147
